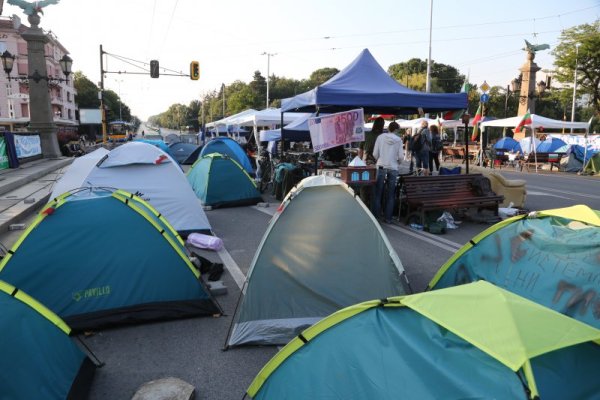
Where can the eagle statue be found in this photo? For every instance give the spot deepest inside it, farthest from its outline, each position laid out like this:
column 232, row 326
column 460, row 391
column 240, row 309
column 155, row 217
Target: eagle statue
column 32, row 8
column 532, row 48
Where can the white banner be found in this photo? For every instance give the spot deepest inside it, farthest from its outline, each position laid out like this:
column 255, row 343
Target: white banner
column 28, row 146
column 336, row 129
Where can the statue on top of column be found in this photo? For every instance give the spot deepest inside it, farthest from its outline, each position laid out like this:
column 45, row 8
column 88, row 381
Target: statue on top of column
column 32, row 8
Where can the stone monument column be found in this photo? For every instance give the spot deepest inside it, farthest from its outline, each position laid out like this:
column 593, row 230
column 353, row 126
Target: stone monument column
column 41, row 116
column 527, row 96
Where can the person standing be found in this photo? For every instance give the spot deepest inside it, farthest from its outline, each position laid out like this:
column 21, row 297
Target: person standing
column 389, row 152
column 421, row 146
column 436, row 148
column 365, row 152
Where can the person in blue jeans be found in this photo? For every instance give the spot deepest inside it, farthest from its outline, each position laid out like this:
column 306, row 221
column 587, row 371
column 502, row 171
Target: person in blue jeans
column 388, row 152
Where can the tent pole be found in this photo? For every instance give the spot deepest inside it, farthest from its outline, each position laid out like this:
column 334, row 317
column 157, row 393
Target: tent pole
column 534, row 147
column 282, row 136
column 316, row 153
column 257, row 156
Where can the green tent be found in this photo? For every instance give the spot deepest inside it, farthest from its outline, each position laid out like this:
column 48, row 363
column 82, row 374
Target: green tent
column 39, row 359
column 470, row 341
column 220, row 181
column 550, row 257
column 99, row 258
column 593, row 165
column 322, row 251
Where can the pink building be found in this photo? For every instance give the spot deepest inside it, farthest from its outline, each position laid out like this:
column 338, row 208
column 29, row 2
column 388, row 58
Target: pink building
column 14, row 95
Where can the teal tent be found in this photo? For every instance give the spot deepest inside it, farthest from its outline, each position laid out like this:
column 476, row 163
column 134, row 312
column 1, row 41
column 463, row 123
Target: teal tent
column 322, row 251
column 550, row 257
column 228, row 146
column 39, row 359
column 220, row 181
column 474, row 341
column 99, row 258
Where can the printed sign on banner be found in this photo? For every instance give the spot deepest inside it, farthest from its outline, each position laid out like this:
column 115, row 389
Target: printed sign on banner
column 28, row 146
column 3, row 155
column 336, row 129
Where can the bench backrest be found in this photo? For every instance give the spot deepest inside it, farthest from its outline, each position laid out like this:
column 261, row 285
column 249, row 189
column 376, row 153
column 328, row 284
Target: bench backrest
column 445, row 186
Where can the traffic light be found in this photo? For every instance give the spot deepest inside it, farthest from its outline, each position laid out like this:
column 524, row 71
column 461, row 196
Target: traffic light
column 194, row 70
column 154, row 69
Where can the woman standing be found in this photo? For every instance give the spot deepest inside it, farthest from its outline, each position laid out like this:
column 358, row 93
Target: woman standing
column 436, row 147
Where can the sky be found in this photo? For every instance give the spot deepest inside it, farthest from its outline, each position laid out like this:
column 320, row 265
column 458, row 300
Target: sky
column 483, row 39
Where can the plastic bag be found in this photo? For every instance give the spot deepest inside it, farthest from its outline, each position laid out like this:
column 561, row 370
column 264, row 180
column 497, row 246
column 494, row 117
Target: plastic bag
column 205, row 241
column 448, row 219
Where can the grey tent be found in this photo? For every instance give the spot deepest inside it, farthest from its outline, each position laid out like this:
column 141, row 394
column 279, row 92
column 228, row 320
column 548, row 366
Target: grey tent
column 322, row 251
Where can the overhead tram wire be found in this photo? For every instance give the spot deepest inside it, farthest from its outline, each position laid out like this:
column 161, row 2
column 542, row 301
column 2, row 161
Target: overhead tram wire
column 166, row 35
column 150, row 34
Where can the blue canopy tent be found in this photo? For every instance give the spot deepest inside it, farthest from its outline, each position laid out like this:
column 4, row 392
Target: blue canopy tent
column 296, row 131
column 364, row 83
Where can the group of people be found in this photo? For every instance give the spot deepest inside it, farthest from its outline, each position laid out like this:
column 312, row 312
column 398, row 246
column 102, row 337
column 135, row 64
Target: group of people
column 386, row 150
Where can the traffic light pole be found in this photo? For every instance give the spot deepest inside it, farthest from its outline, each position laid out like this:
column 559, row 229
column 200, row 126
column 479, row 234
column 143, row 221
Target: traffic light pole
column 102, row 108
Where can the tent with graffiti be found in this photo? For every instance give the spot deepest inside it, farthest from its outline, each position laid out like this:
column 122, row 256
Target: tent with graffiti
column 550, row 257
column 101, row 258
column 473, row 341
column 219, row 181
column 39, row 359
column 323, row 251
column 147, row 171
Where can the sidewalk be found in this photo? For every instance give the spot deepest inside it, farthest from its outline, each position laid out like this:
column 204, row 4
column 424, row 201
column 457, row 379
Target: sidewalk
column 25, row 189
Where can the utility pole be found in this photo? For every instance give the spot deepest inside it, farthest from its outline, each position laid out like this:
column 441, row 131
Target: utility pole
column 428, row 81
column 223, row 90
column 101, row 97
column 269, row 55
column 575, row 85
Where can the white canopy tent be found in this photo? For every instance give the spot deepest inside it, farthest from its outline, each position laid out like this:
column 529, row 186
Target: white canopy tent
column 537, row 122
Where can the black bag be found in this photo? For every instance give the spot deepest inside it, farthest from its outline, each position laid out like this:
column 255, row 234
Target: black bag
column 481, row 186
column 436, row 144
column 417, row 142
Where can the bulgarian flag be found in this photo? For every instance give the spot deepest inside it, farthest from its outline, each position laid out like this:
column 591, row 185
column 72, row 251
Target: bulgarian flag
column 525, row 121
column 453, row 115
column 475, row 122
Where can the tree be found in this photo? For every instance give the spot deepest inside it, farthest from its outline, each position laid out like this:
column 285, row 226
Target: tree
column 87, row 91
column 413, row 74
column 321, row 76
column 588, row 60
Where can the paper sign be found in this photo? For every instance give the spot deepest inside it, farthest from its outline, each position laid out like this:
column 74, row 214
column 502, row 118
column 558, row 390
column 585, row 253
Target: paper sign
column 336, row 129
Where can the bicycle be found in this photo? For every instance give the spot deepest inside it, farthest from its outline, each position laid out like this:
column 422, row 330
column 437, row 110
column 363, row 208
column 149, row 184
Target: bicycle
column 267, row 171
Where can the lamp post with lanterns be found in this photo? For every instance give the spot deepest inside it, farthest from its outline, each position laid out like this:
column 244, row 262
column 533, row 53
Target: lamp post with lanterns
column 41, row 115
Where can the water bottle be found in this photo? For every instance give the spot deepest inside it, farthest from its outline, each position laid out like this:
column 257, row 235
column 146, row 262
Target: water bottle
column 416, row 227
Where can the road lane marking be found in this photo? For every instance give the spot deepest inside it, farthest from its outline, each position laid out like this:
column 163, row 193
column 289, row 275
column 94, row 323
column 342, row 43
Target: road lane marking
column 235, row 271
column 447, row 245
column 534, row 193
column 271, row 210
column 568, row 192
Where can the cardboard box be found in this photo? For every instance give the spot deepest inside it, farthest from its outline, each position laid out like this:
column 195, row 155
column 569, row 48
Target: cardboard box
column 362, row 175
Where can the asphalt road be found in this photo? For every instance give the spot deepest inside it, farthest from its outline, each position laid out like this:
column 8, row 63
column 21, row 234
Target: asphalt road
column 191, row 349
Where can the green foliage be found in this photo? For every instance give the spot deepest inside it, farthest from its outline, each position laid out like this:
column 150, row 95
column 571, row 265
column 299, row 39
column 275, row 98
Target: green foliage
column 87, row 91
column 321, row 76
column 588, row 60
column 413, row 74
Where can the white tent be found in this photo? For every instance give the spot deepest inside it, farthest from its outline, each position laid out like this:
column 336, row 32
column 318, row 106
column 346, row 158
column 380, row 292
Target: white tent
column 266, row 117
column 537, row 121
column 77, row 172
column 148, row 172
column 227, row 120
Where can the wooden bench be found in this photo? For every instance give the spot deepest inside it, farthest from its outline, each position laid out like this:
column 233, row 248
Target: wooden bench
column 536, row 159
column 430, row 193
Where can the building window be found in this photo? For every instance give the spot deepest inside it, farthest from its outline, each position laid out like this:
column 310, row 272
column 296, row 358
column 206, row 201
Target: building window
column 3, row 47
column 24, row 110
column 70, row 117
column 69, row 97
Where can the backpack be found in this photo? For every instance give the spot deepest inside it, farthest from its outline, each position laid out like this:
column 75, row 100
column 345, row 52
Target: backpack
column 481, row 186
column 436, row 144
column 417, row 142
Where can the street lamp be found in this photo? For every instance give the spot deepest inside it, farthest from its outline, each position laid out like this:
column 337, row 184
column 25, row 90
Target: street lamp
column 8, row 61
column 575, row 84
column 465, row 120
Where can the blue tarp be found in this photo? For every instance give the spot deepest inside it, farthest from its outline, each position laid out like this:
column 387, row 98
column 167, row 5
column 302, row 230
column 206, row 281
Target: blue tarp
column 365, row 84
column 579, row 152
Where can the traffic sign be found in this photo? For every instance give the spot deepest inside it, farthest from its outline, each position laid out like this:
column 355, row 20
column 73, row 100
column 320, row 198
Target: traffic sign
column 485, row 87
column 484, row 98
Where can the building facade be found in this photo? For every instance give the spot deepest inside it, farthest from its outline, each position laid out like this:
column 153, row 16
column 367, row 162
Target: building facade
column 14, row 95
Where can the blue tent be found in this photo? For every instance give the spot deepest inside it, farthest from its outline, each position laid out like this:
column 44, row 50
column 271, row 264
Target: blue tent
column 509, row 144
column 550, row 145
column 219, row 181
column 365, row 84
column 475, row 341
column 549, row 257
column 580, row 153
column 185, row 153
column 39, row 359
column 228, row 146
column 98, row 258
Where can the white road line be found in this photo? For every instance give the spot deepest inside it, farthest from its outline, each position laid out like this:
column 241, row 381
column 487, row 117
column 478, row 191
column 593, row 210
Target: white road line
column 235, row 271
column 568, row 192
column 451, row 246
column 534, row 193
column 271, row 210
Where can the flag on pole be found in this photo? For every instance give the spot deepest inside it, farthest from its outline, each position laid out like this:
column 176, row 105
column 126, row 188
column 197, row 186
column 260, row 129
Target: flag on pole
column 525, row 121
column 453, row 115
column 476, row 119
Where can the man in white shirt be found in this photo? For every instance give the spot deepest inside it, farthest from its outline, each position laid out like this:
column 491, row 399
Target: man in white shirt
column 388, row 152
